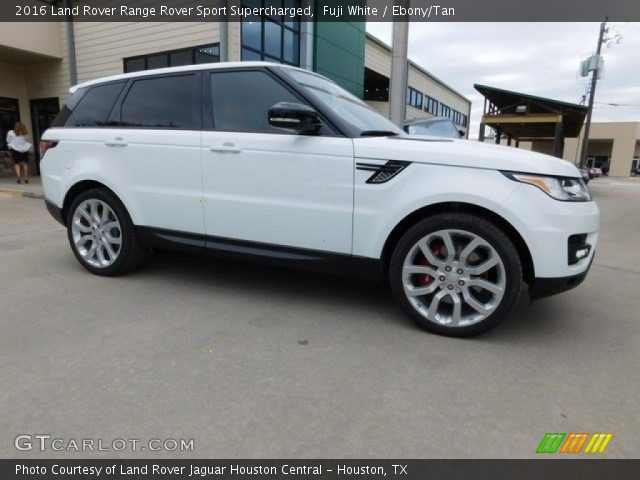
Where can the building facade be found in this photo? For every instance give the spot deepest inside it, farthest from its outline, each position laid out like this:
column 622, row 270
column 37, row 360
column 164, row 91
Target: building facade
column 613, row 146
column 39, row 62
column 427, row 96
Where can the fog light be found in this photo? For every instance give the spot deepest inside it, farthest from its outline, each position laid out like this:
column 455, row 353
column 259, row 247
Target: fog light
column 578, row 248
column 583, row 252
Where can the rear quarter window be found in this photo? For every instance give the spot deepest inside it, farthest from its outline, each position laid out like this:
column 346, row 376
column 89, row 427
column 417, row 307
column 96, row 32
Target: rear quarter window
column 94, row 107
column 89, row 106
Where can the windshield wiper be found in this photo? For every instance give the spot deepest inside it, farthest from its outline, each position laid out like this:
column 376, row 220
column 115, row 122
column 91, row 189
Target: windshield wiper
column 379, row 133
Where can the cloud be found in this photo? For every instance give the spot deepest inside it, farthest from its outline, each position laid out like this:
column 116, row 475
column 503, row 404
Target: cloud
column 537, row 58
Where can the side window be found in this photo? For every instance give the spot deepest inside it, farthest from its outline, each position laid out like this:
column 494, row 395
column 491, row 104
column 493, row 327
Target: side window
column 241, row 101
column 160, row 102
column 94, row 106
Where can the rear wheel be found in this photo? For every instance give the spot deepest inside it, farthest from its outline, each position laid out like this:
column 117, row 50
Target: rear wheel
column 456, row 274
column 101, row 234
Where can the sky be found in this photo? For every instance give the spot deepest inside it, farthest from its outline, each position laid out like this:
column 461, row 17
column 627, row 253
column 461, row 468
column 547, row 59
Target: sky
column 537, row 58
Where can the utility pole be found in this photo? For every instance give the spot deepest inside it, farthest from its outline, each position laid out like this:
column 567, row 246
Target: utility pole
column 399, row 68
column 592, row 93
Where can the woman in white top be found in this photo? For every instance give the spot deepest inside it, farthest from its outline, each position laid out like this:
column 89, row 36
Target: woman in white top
column 19, row 147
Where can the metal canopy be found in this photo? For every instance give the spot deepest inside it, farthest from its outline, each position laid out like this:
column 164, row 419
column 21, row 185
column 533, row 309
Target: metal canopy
column 521, row 116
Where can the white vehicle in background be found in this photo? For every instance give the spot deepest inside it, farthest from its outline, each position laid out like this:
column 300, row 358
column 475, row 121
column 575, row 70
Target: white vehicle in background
column 276, row 164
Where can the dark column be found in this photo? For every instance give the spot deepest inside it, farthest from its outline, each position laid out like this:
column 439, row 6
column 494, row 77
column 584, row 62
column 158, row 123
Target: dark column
column 498, row 136
column 517, row 143
column 558, row 141
column 508, row 140
column 481, row 132
column 71, row 46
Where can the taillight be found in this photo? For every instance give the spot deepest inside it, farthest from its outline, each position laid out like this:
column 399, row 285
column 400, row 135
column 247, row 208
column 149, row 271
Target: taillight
column 46, row 145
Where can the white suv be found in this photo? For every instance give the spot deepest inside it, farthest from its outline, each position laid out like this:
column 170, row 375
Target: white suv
column 280, row 165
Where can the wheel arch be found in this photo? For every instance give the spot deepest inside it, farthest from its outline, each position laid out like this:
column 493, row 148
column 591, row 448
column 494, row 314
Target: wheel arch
column 428, row 210
column 79, row 187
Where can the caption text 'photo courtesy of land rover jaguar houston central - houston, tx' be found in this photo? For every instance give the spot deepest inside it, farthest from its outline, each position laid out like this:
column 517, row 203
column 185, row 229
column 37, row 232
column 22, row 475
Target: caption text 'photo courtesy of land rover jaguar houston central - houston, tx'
column 280, row 165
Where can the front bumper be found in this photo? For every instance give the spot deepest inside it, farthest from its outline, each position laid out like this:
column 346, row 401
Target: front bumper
column 547, row 225
column 546, row 287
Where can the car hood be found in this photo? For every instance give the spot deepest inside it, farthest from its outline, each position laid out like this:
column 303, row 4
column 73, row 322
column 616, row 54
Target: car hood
column 462, row 153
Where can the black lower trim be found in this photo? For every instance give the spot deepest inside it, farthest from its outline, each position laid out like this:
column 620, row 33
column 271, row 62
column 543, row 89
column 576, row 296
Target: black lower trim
column 546, row 287
column 264, row 253
column 55, row 211
column 171, row 240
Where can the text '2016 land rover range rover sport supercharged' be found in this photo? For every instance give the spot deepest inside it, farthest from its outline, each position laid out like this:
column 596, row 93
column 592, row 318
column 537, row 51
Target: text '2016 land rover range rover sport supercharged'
column 280, row 165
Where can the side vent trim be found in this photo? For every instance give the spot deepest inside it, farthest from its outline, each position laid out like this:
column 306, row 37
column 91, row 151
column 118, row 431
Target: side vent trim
column 383, row 173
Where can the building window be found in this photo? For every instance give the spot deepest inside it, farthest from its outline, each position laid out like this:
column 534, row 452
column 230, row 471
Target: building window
column 431, row 106
column 414, row 98
column 174, row 58
column 456, row 117
column 445, row 111
column 271, row 38
column 463, row 120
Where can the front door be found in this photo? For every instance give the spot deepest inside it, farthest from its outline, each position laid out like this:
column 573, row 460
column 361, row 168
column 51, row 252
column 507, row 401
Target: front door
column 266, row 185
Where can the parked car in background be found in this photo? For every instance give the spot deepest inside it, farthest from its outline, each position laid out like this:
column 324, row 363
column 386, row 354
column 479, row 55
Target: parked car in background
column 279, row 165
column 584, row 173
column 433, row 127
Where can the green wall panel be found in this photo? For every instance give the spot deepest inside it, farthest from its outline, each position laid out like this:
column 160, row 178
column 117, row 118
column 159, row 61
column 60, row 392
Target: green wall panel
column 338, row 53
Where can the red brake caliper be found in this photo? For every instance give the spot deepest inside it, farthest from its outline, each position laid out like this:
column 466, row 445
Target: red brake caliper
column 427, row 279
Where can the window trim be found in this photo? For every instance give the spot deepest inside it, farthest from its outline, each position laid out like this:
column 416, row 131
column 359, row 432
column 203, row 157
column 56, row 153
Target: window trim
column 207, row 101
column 196, row 104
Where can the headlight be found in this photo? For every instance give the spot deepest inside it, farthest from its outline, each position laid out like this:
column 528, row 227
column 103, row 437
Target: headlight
column 561, row 188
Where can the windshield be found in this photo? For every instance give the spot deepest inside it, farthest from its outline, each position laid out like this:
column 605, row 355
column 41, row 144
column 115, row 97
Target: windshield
column 434, row 128
column 345, row 105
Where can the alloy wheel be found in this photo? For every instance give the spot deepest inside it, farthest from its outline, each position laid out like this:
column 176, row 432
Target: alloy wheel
column 96, row 232
column 454, row 278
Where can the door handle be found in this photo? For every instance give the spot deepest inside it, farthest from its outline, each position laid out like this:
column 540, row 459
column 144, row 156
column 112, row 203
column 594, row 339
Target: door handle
column 116, row 142
column 225, row 148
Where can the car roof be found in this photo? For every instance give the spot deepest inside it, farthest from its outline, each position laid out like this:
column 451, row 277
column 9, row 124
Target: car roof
column 185, row 68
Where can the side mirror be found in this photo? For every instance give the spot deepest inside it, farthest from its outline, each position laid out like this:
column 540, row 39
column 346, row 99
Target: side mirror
column 294, row 117
column 406, row 128
column 461, row 132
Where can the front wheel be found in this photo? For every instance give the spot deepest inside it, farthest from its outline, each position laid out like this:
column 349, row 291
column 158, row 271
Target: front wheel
column 456, row 274
column 101, row 234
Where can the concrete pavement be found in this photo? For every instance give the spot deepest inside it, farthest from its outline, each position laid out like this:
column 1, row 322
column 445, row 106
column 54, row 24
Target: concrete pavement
column 252, row 361
column 33, row 189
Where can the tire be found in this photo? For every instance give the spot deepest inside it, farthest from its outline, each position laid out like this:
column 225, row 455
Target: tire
column 97, row 217
column 478, row 244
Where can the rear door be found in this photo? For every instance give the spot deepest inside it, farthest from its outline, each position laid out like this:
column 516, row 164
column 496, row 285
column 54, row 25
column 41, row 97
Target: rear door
column 267, row 185
column 154, row 143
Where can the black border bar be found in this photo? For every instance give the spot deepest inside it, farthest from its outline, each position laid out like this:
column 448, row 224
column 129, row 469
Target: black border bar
column 544, row 468
column 329, row 10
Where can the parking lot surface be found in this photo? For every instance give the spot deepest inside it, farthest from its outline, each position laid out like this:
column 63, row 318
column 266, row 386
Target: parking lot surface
column 250, row 361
